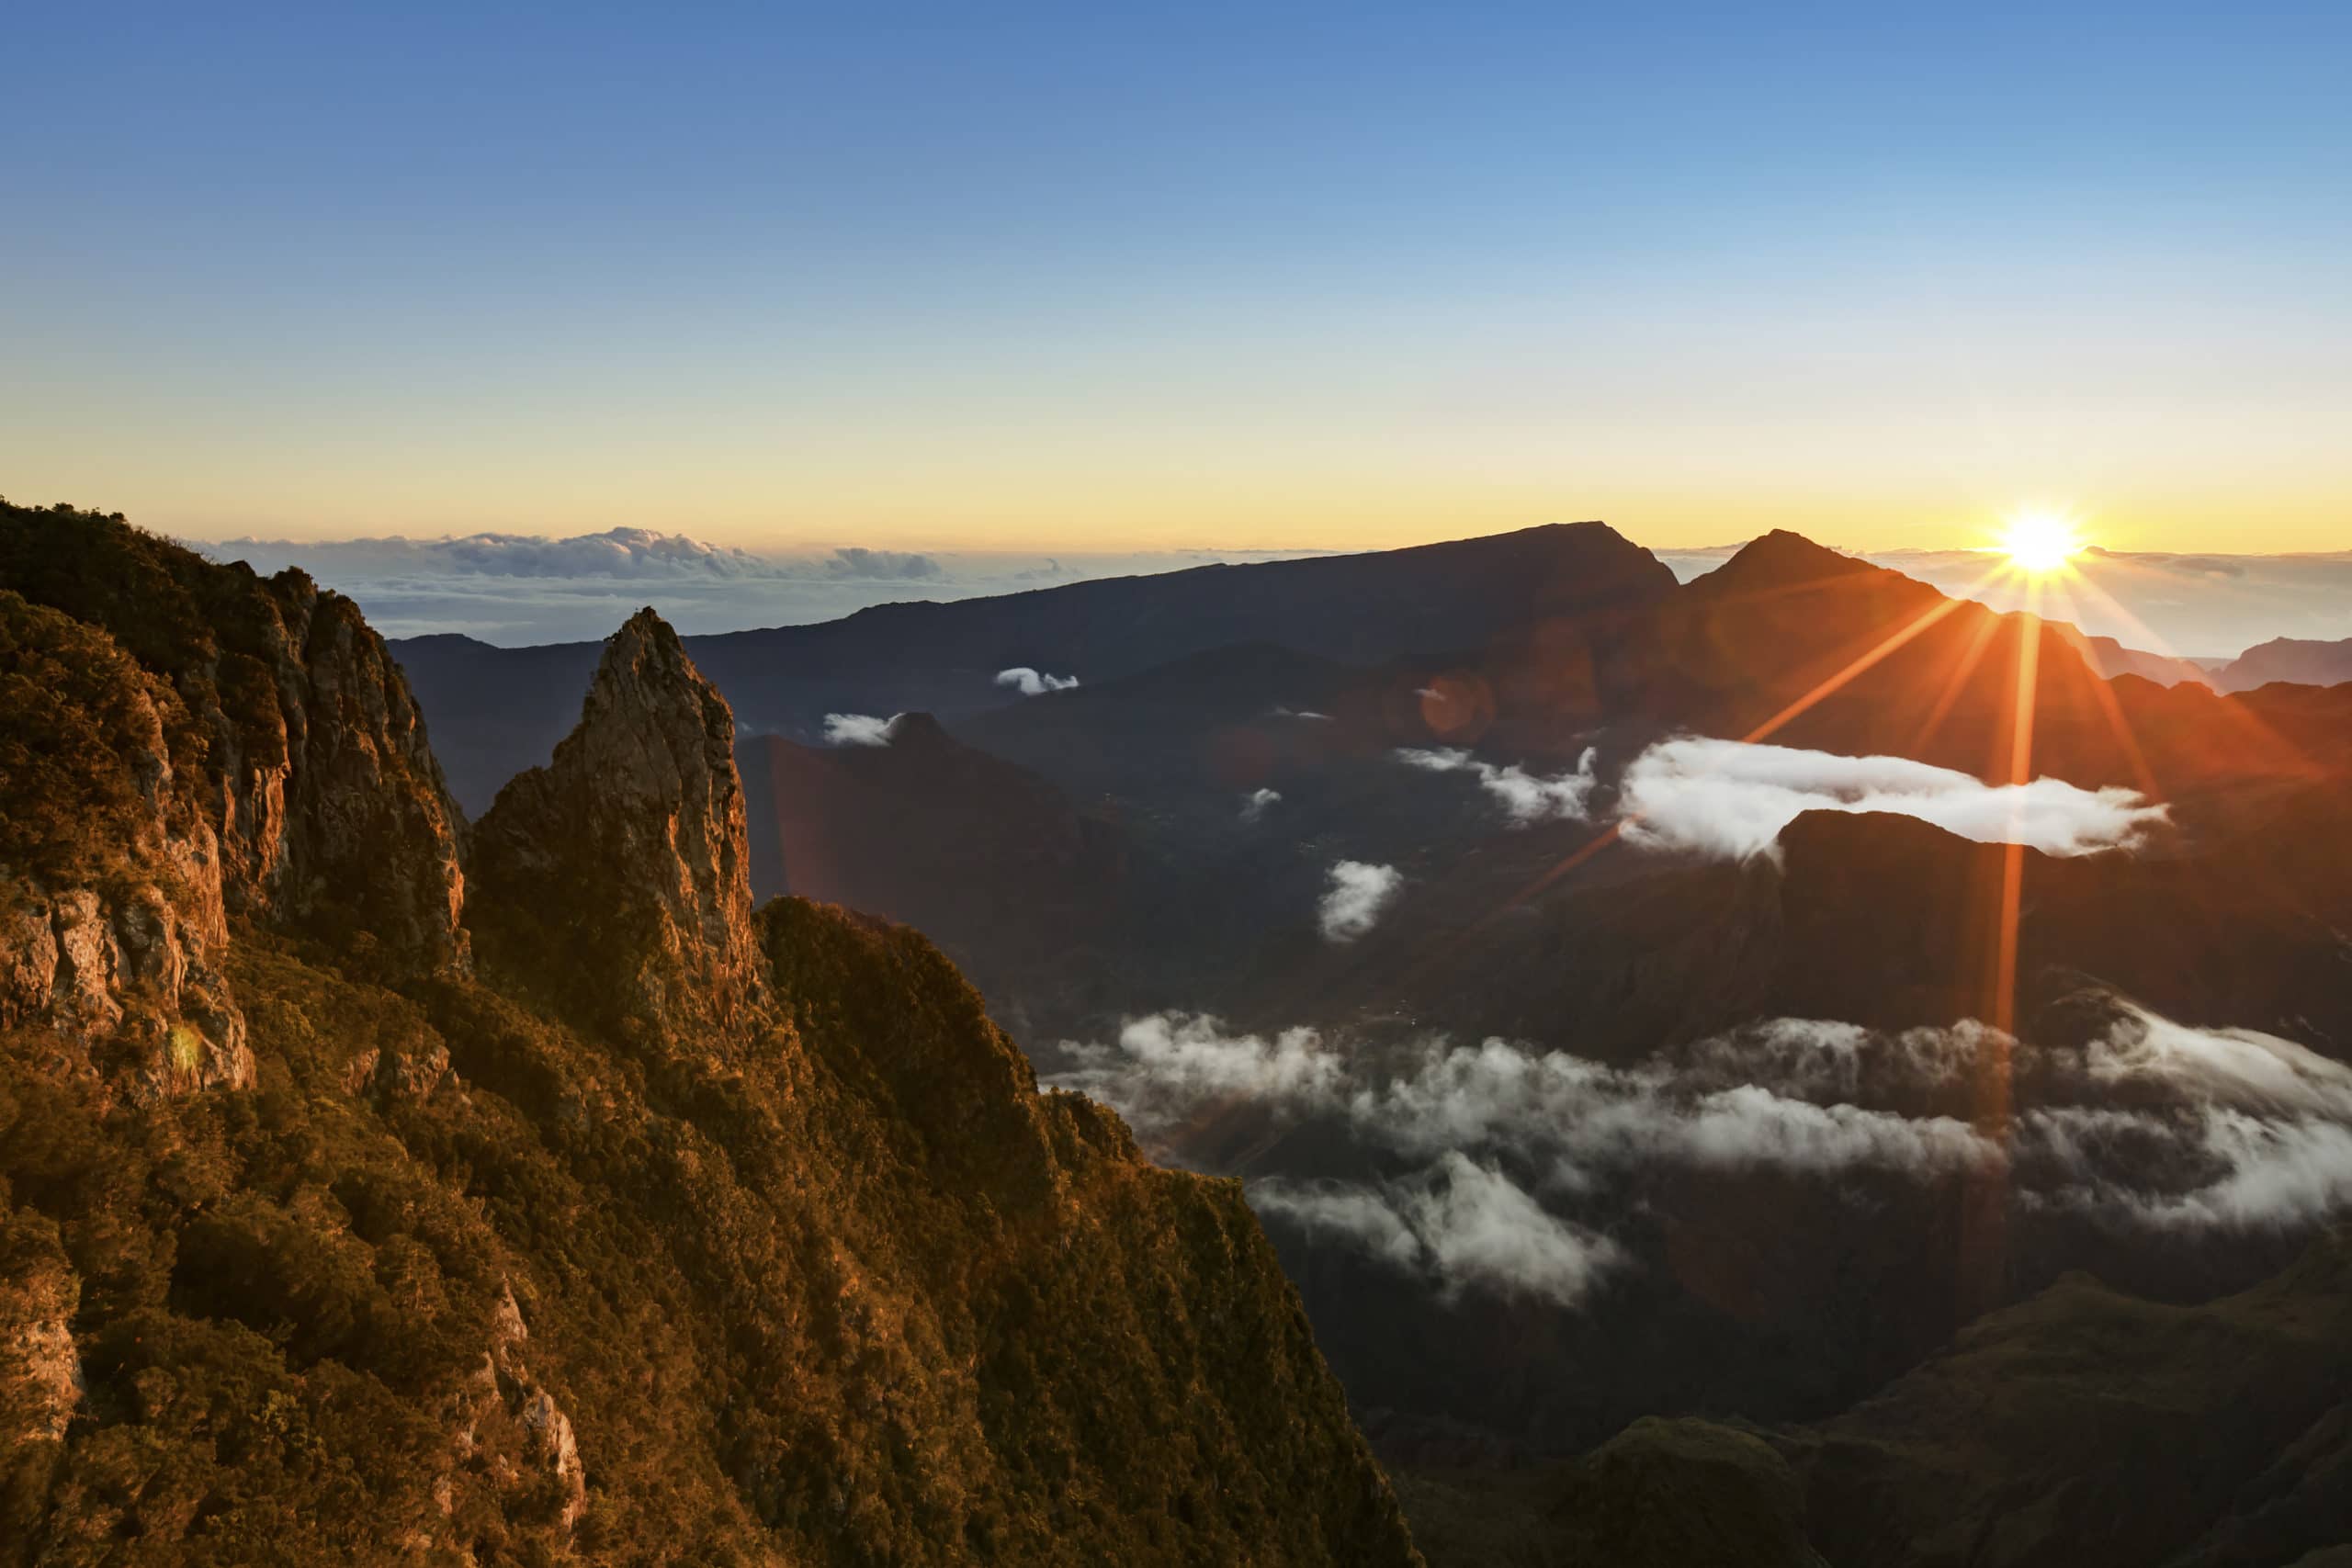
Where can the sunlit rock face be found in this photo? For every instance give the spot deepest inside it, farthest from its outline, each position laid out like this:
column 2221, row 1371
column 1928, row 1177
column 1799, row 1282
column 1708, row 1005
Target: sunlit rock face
column 281, row 719
column 41, row 1372
column 338, row 811
column 109, row 935
column 241, row 749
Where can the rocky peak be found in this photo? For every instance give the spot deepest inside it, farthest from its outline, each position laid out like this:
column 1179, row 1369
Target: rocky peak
column 372, row 836
column 1786, row 558
column 626, row 857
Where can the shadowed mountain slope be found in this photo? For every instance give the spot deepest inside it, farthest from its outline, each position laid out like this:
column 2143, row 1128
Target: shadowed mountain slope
column 2298, row 660
column 499, row 710
column 2084, row 1424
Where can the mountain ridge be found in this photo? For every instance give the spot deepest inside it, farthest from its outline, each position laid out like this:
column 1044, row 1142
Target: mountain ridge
column 659, row 1229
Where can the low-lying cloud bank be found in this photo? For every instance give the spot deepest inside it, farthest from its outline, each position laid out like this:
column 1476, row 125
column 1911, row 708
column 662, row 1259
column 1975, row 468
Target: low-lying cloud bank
column 1527, row 798
column 1358, row 896
column 860, row 728
column 1730, row 799
column 1034, row 682
column 1506, row 1152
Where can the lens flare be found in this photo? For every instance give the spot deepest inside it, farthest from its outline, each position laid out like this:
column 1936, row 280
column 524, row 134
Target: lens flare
column 2040, row 542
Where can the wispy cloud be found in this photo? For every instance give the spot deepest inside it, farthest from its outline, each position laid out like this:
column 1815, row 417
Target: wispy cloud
column 860, row 728
column 1034, row 682
column 1528, row 799
column 1730, row 799
column 1257, row 802
column 1462, row 1223
column 1358, row 895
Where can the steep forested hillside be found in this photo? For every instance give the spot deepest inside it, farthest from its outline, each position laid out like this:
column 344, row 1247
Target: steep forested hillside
column 371, row 1194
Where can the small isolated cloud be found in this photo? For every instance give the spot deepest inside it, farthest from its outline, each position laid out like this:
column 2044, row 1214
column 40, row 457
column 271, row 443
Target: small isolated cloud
column 860, row 728
column 1528, row 797
column 1034, row 682
column 1300, row 713
column 1257, row 802
column 887, row 566
column 1359, row 894
column 1730, row 799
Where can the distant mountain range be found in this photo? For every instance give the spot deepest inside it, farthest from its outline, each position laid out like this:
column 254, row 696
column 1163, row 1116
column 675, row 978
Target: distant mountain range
column 500, row 710
column 2284, row 660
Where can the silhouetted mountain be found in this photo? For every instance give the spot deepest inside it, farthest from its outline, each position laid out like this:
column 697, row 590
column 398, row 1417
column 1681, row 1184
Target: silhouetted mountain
column 2111, row 658
column 654, row 1229
column 499, row 710
column 2294, row 660
column 2082, row 1426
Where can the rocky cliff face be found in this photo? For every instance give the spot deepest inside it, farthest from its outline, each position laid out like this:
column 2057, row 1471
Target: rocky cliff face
column 677, row 1234
column 298, row 744
column 112, row 916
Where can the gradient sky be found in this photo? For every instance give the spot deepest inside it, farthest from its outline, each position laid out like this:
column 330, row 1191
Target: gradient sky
column 1123, row 277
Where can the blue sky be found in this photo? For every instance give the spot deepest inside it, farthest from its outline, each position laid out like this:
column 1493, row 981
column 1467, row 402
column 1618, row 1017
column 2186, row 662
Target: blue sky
column 1137, row 276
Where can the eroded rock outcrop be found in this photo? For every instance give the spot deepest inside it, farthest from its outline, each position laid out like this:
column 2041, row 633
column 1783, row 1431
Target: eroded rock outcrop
column 333, row 806
column 622, row 864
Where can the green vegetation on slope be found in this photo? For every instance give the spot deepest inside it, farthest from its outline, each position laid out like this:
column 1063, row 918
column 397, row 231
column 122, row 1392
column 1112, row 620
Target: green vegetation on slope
column 464, row 1278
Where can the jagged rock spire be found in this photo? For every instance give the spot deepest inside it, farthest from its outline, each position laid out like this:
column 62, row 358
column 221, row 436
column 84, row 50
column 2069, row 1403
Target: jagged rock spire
column 624, row 858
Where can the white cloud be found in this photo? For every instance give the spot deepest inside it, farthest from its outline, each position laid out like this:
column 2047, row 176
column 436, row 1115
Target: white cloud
column 2149, row 1123
column 1462, row 1223
column 1033, row 683
column 1166, row 1067
column 1361, row 1215
column 1359, row 894
column 1528, row 797
column 1300, row 713
column 1257, row 802
column 883, row 566
column 1729, row 799
column 860, row 728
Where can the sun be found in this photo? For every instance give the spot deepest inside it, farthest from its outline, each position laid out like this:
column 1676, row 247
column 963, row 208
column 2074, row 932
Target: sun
column 2040, row 542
